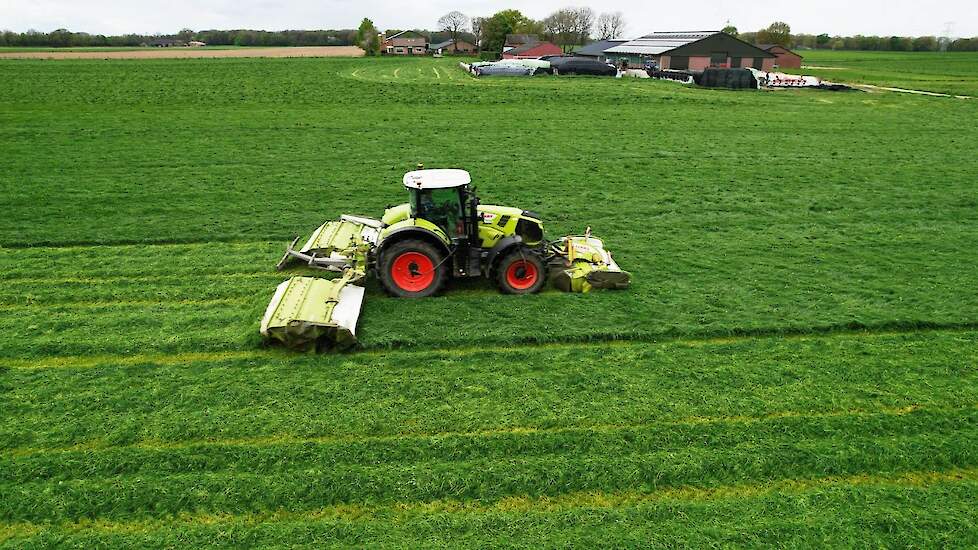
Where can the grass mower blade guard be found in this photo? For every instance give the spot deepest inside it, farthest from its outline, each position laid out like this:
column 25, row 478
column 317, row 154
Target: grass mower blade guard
column 310, row 314
column 581, row 264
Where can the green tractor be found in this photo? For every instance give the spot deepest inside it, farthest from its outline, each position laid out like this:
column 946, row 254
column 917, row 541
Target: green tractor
column 443, row 232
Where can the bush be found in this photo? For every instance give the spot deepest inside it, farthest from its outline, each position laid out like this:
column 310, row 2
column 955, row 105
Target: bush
column 488, row 56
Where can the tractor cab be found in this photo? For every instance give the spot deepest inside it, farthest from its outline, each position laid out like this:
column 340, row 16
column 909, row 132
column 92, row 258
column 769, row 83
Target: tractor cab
column 443, row 198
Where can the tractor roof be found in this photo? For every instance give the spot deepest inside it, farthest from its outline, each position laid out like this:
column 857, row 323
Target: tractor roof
column 436, row 179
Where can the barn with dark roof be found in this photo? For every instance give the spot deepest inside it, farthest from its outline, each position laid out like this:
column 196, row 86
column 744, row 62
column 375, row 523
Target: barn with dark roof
column 693, row 51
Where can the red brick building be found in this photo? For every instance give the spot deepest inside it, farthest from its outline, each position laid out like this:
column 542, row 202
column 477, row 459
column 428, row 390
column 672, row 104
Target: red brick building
column 405, row 43
column 784, row 58
column 532, row 50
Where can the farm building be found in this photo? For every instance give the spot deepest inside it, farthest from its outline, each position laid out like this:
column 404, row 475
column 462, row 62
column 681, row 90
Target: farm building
column 596, row 50
column 784, row 58
column 406, row 43
column 532, row 50
column 166, row 43
column 448, row 46
column 692, row 51
column 514, row 40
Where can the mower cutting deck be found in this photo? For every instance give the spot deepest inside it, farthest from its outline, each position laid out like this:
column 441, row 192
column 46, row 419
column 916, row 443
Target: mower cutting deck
column 442, row 233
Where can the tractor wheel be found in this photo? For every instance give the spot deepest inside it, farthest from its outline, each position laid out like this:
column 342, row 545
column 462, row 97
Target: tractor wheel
column 412, row 269
column 521, row 272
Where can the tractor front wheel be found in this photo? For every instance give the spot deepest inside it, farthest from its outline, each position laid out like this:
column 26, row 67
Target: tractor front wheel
column 412, row 269
column 521, row 272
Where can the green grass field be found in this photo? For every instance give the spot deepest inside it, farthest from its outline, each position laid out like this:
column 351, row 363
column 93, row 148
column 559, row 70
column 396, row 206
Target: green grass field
column 795, row 363
column 953, row 73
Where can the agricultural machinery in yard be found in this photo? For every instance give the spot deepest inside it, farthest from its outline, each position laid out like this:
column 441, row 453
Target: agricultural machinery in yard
column 443, row 232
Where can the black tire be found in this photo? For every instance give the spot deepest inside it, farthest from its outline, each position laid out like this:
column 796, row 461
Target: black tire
column 521, row 272
column 402, row 283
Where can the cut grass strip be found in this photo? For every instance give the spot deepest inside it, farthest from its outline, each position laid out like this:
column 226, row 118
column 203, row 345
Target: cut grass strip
column 148, row 494
column 96, row 446
column 829, row 499
column 778, row 434
column 388, row 393
column 573, row 342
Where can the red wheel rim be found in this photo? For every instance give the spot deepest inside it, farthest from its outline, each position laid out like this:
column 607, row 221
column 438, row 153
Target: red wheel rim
column 413, row 271
column 522, row 274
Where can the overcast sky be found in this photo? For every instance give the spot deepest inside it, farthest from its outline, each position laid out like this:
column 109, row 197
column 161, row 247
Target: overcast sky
column 844, row 17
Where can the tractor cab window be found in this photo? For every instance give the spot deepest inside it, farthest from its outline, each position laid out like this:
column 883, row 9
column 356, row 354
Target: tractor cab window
column 442, row 207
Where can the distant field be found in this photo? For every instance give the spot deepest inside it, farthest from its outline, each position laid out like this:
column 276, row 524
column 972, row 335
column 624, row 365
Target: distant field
column 178, row 53
column 795, row 364
column 950, row 73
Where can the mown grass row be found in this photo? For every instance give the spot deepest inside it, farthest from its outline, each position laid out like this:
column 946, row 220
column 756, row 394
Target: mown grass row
column 390, row 393
column 192, row 298
column 248, row 436
column 924, row 510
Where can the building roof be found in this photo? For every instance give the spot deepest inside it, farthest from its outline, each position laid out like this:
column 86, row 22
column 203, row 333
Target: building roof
column 436, row 179
column 598, row 48
column 447, row 43
column 403, row 33
column 518, row 50
column 660, row 42
column 769, row 47
column 519, row 39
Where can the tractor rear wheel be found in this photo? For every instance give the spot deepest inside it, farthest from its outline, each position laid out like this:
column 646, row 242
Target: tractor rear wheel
column 521, row 272
column 412, row 269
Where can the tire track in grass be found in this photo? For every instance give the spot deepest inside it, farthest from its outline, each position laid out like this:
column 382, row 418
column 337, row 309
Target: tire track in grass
column 287, row 439
column 920, row 479
column 105, row 304
column 600, row 341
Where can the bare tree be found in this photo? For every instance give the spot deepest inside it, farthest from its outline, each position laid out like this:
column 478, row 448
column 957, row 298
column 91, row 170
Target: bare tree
column 583, row 24
column 478, row 29
column 611, row 25
column 569, row 26
column 454, row 23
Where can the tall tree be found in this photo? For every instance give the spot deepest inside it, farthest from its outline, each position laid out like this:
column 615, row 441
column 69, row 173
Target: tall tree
column 454, row 23
column 367, row 37
column 778, row 32
column 610, row 25
column 500, row 24
column 731, row 30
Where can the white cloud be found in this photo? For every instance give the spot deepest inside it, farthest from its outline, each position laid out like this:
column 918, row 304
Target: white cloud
column 846, row 17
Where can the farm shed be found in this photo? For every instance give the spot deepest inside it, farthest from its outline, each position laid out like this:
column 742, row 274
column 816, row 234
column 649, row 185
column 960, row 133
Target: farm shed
column 531, row 50
column 514, row 40
column 406, row 43
column 448, row 46
column 693, row 51
column 596, row 50
column 784, row 58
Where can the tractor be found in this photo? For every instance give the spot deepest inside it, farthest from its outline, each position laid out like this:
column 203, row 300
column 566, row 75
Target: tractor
column 442, row 232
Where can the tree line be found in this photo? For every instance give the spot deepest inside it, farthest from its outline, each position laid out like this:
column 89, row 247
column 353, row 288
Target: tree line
column 780, row 33
column 63, row 38
column 568, row 27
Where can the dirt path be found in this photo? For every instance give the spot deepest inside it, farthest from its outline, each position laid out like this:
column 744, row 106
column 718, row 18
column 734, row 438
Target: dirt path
column 185, row 53
column 906, row 91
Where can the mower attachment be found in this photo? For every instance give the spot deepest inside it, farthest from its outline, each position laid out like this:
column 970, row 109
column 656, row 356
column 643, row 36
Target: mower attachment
column 583, row 264
column 337, row 246
column 309, row 314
